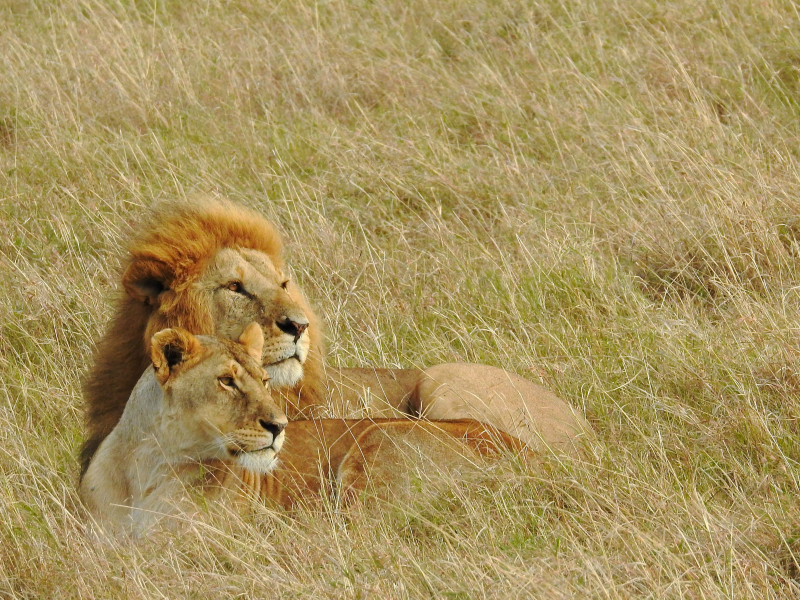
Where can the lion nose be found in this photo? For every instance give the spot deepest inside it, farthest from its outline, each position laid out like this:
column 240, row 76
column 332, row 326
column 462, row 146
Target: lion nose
column 292, row 326
column 273, row 427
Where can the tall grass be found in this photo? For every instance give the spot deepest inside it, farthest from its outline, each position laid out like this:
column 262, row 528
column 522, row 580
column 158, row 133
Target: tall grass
column 601, row 196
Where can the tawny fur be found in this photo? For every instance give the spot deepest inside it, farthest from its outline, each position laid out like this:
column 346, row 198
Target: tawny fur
column 200, row 422
column 178, row 238
column 176, row 244
column 343, row 458
column 204, row 400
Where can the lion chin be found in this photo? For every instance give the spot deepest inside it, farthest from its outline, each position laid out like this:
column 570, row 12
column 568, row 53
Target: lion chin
column 261, row 461
column 285, row 373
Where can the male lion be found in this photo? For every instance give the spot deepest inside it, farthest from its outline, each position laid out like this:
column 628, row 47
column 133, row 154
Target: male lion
column 212, row 267
column 202, row 421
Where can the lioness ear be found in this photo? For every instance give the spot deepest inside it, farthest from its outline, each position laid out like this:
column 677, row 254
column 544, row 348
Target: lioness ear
column 145, row 279
column 252, row 339
column 169, row 348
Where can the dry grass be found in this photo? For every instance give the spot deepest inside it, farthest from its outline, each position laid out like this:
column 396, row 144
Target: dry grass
column 603, row 196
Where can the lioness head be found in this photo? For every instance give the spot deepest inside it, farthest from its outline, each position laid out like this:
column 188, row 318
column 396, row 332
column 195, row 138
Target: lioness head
column 216, row 405
column 210, row 267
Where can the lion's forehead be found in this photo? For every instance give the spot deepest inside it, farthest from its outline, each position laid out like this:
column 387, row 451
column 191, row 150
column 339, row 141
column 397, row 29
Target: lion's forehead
column 229, row 357
column 245, row 364
column 244, row 265
column 261, row 262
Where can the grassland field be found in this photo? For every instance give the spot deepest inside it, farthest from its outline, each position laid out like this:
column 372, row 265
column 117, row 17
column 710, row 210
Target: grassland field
column 601, row 196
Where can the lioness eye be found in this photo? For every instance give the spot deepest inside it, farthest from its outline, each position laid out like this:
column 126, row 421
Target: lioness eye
column 266, row 381
column 285, row 284
column 227, row 383
column 236, row 286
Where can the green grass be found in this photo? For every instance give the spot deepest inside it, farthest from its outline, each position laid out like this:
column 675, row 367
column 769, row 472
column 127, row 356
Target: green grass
column 599, row 196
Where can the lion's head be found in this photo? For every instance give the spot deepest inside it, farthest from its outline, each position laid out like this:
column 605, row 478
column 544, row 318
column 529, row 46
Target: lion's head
column 210, row 267
column 232, row 287
column 216, row 405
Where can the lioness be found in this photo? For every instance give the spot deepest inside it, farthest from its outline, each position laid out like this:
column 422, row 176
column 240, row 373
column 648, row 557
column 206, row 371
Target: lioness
column 201, row 421
column 204, row 399
column 212, row 267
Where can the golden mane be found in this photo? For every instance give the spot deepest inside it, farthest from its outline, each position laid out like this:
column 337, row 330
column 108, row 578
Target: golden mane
column 171, row 248
column 184, row 235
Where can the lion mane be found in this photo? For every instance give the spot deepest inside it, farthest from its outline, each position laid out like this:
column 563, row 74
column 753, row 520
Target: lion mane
column 167, row 253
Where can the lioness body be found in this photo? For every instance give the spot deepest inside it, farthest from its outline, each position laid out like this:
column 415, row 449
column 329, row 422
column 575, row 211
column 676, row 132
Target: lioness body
column 201, row 422
column 343, row 457
column 212, row 267
column 204, row 400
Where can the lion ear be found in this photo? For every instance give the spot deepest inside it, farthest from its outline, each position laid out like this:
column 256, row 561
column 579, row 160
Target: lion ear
column 252, row 339
column 169, row 348
column 145, row 279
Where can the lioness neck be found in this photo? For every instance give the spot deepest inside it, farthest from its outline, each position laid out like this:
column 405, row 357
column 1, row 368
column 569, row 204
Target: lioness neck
column 137, row 475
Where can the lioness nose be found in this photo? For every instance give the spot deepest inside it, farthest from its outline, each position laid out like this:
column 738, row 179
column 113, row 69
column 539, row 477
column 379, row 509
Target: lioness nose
column 292, row 327
column 273, row 427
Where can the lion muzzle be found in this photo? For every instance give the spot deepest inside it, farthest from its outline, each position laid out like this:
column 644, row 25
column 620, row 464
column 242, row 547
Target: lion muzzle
column 255, row 447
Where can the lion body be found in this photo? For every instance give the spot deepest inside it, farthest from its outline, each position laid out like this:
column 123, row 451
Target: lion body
column 181, row 264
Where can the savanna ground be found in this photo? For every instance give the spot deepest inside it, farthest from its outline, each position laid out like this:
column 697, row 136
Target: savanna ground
column 602, row 196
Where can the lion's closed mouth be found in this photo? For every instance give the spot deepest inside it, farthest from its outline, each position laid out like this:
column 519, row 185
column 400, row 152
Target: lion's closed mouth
column 264, row 449
column 240, row 451
column 283, row 360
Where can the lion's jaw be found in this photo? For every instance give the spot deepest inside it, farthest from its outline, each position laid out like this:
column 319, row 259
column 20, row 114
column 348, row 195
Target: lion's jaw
column 260, row 460
column 243, row 286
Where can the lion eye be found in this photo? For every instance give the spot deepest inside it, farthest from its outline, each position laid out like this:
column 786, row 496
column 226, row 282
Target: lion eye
column 285, row 284
column 266, row 382
column 227, row 383
column 236, row 286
